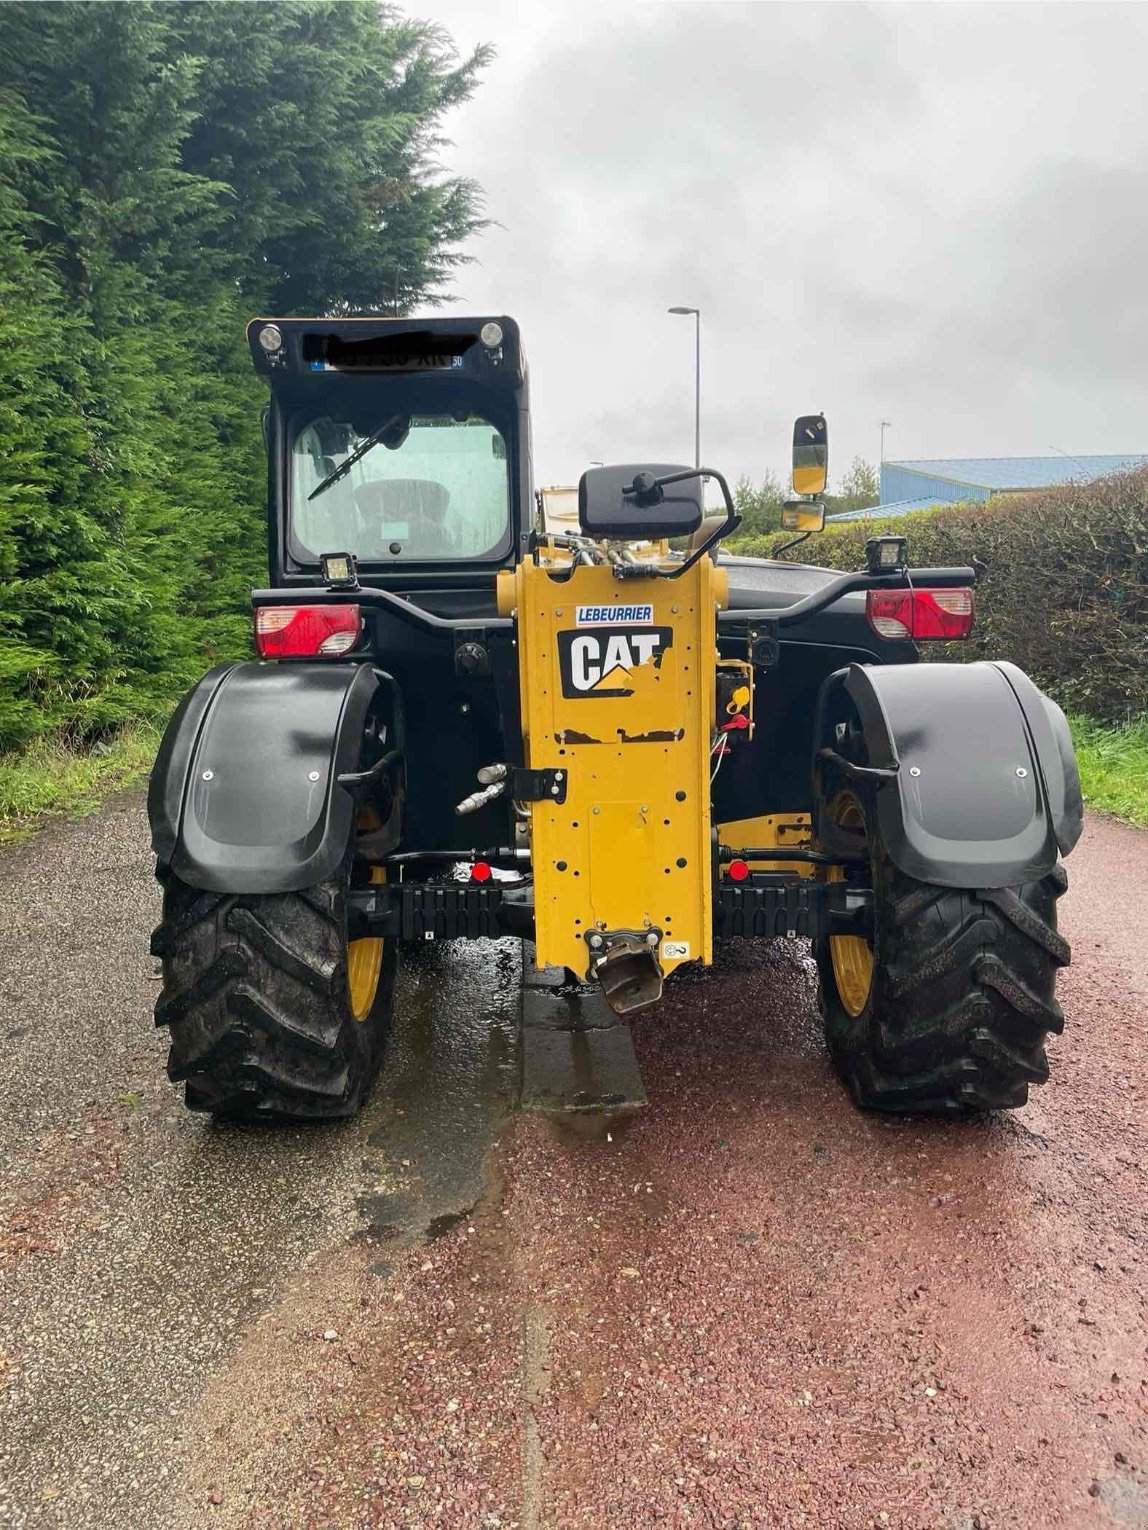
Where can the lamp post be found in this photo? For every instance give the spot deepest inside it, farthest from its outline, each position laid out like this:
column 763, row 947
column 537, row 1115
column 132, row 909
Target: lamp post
column 697, row 313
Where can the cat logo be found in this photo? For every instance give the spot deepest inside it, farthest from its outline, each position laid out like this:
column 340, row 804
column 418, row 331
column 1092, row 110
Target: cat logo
column 588, row 659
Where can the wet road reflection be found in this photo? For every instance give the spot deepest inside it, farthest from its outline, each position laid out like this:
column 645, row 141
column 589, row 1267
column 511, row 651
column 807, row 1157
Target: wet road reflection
column 449, row 1080
column 138, row 1241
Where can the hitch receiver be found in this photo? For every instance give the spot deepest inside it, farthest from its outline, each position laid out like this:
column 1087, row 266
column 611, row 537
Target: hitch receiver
column 626, row 965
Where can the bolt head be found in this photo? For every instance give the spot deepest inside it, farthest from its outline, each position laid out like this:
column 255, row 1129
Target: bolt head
column 914, row 770
column 1021, row 772
column 209, row 775
column 312, row 775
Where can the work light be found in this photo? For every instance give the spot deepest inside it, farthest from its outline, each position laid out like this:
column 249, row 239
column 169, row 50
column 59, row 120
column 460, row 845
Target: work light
column 885, row 554
column 340, row 571
column 491, row 335
column 270, row 338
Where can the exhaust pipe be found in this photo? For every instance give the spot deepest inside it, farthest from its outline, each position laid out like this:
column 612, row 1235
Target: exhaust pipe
column 626, row 965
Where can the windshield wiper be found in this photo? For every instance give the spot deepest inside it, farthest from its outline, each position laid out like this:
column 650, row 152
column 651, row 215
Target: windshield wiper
column 360, row 452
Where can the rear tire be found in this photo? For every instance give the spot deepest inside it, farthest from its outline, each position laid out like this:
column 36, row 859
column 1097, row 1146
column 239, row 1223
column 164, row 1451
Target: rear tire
column 260, row 1006
column 962, row 993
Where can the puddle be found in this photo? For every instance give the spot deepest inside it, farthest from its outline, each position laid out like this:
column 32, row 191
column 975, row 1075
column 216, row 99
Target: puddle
column 448, row 1085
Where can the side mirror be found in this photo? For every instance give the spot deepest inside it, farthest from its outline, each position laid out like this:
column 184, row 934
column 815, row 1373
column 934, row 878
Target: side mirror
column 810, row 454
column 624, row 502
column 802, row 515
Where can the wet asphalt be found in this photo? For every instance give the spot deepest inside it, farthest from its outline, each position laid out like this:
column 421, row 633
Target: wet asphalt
column 138, row 1240
column 749, row 1306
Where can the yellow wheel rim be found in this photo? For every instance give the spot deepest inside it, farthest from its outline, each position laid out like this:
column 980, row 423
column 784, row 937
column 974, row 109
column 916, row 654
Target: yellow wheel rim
column 365, row 964
column 851, row 955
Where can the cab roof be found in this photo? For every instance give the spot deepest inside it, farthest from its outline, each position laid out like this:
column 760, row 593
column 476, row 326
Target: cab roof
column 485, row 348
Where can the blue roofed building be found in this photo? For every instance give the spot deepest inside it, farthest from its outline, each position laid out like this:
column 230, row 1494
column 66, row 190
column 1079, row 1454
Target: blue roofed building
column 920, row 485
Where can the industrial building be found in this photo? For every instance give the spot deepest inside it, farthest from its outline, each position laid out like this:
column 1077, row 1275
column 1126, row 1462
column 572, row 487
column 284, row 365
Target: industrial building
column 925, row 483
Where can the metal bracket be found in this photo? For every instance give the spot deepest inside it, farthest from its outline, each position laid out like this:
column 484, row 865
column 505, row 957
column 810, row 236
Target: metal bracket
column 626, row 964
column 764, row 644
column 538, row 785
column 353, row 778
column 878, row 773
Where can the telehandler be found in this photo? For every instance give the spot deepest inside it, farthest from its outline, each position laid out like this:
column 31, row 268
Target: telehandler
column 610, row 738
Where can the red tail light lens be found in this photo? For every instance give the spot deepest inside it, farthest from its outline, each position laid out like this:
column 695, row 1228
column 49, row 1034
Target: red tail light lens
column 927, row 615
column 307, row 632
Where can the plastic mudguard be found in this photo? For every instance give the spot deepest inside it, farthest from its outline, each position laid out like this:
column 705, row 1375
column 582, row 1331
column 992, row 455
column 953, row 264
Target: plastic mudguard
column 244, row 795
column 986, row 792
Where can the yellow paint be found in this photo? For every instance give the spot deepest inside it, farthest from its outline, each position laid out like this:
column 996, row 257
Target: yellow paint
column 365, row 964
column 851, row 955
column 622, row 830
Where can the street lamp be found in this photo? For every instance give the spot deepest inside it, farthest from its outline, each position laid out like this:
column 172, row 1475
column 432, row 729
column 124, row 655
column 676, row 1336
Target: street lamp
column 697, row 313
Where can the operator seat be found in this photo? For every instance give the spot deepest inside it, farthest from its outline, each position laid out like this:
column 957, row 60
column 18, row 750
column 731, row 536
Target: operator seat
column 384, row 505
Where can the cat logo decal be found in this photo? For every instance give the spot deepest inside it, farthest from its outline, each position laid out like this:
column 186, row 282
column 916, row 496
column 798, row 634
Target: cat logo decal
column 600, row 663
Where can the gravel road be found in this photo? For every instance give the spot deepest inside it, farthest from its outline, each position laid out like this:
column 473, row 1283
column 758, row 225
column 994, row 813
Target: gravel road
column 750, row 1306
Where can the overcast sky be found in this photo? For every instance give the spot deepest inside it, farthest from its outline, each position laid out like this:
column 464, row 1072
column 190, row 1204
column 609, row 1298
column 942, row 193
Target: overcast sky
column 933, row 213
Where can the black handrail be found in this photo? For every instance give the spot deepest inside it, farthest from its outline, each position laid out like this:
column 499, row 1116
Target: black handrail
column 844, row 584
column 381, row 600
column 783, row 616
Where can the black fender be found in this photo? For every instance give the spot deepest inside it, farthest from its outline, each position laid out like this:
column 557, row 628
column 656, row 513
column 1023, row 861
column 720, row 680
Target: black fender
column 244, row 794
column 983, row 789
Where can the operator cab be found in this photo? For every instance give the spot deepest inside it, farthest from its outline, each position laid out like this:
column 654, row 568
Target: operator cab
column 402, row 442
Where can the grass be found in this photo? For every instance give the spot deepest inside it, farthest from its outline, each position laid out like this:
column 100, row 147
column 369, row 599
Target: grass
column 1114, row 767
column 53, row 776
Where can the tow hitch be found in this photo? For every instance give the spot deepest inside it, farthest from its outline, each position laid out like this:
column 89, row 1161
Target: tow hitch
column 626, row 964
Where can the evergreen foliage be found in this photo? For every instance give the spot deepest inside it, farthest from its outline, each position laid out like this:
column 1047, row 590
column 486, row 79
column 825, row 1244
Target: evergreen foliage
column 759, row 505
column 860, row 489
column 1062, row 586
column 166, row 171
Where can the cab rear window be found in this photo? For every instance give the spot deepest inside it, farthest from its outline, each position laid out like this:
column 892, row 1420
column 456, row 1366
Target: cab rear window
column 410, row 487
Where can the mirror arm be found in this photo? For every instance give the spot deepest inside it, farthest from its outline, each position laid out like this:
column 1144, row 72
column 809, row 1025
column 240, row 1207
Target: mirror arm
column 795, row 542
column 731, row 523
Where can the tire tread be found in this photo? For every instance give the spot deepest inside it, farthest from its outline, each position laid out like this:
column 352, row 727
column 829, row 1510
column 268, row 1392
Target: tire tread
column 963, row 995
column 255, row 1001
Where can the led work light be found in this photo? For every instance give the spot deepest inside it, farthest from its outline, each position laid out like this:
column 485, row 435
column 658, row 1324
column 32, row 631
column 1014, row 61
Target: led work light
column 340, row 571
column 270, row 338
column 884, row 555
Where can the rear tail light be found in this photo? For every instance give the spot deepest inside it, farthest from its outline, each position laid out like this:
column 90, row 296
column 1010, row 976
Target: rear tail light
column 306, row 632
column 927, row 615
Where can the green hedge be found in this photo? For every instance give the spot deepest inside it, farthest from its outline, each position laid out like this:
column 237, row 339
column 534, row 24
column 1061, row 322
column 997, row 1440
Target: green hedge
column 166, row 172
column 1063, row 588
